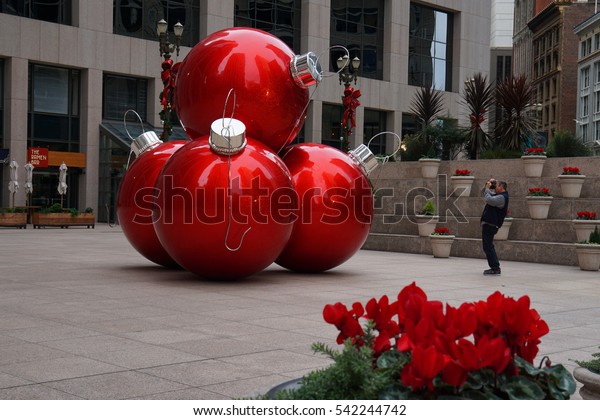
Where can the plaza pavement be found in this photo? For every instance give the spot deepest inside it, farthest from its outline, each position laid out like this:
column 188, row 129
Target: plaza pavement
column 84, row 316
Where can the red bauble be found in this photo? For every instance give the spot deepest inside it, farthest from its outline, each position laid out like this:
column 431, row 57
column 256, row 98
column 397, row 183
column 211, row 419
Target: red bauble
column 135, row 202
column 335, row 204
column 256, row 65
column 195, row 209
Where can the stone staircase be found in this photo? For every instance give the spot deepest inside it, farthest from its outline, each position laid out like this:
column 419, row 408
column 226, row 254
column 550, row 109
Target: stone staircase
column 402, row 190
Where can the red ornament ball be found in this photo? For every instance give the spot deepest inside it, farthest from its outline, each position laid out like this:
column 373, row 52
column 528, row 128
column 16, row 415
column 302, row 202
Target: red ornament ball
column 135, row 202
column 220, row 218
column 256, row 65
column 335, row 208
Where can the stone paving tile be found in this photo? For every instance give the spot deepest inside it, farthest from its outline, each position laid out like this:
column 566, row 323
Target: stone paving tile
column 247, row 388
column 9, row 381
column 35, row 392
column 145, row 357
column 27, row 352
column 191, row 393
column 54, row 332
column 276, row 361
column 86, row 346
column 215, row 347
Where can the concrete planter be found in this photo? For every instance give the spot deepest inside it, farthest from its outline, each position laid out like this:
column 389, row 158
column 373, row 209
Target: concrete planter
column 588, row 256
column 583, row 228
column 502, row 234
column 429, row 167
column 18, row 220
column 570, row 185
column 590, row 381
column 441, row 245
column 63, row 220
column 461, row 185
column 539, row 206
column 426, row 224
column 533, row 165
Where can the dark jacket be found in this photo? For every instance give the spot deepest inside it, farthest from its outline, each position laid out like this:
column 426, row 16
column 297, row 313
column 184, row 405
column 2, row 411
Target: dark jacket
column 495, row 209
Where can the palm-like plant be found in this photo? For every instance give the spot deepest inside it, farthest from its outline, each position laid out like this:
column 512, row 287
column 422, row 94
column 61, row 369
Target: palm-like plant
column 478, row 96
column 426, row 105
column 515, row 96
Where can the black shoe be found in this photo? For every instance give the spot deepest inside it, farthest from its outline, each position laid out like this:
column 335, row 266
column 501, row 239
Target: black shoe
column 492, row 271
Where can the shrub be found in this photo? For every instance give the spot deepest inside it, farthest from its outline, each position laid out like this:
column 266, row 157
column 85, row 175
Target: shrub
column 499, row 153
column 565, row 144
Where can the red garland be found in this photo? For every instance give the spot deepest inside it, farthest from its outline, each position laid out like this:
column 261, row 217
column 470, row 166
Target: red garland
column 350, row 101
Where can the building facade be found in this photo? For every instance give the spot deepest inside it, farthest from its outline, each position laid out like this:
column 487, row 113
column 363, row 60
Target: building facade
column 70, row 69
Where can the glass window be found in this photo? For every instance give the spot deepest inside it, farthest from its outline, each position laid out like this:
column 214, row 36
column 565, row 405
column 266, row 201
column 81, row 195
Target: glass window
column 584, row 106
column 278, row 17
column 56, row 11
column 358, row 26
column 430, row 47
column 596, row 41
column 596, row 102
column 123, row 93
column 597, row 72
column 597, row 130
column 54, row 108
column 332, row 125
column 138, row 18
column 584, row 132
column 375, row 123
column 585, row 78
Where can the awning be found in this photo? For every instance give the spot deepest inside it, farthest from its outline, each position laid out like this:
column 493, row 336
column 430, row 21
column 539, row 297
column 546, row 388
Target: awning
column 116, row 130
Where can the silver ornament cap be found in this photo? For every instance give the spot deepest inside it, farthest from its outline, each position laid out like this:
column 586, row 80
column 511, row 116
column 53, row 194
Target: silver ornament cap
column 306, row 69
column 364, row 158
column 144, row 141
column 227, row 136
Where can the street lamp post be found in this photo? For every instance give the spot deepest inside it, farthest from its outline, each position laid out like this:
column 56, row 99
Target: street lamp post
column 167, row 74
column 348, row 73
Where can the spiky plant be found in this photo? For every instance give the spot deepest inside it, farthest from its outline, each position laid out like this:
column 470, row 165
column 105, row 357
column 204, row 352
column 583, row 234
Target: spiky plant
column 515, row 96
column 426, row 105
column 477, row 96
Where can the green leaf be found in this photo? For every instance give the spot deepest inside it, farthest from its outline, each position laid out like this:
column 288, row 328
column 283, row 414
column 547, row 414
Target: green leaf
column 392, row 360
column 527, row 367
column 562, row 379
column 521, row 388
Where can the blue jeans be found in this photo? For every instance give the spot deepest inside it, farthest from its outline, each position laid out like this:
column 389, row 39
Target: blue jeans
column 487, row 237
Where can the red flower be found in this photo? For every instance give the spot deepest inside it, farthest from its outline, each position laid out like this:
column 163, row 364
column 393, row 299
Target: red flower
column 571, row 170
column 462, row 172
column 586, row 215
column 425, row 364
column 535, row 151
column 441, row 231
column 345, row 321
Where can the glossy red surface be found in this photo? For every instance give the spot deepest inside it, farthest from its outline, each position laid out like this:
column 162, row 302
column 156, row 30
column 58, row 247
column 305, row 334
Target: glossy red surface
column 256, row 65
column 134, row 202
column 194, row 210
column 335, row 208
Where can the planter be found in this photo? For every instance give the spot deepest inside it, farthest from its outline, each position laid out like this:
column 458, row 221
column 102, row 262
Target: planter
column 583, row 228
column 590, row 381
column 426, row 224
column 588, row 256
column 429, row 167
column 63, row 220
column 441, row 245
column 570, row 185
column 461, row 185
column 534, row 165
column 502, row 234
column 539, row 206
column 18, row 220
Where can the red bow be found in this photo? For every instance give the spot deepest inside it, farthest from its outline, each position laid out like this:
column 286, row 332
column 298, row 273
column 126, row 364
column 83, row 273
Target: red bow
column 350, row 101
column 168, row 75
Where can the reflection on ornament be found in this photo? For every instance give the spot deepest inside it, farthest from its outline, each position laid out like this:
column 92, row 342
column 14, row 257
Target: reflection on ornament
column 220, row 214
column 335, row 208
column 136, row 195
column 270, row 84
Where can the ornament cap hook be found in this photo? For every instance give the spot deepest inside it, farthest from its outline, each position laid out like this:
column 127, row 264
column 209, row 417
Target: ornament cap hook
column 227, row 136
column 306, row 69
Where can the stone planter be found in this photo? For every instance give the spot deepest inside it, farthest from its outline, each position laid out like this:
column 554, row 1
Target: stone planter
column 426, row 224
column 429, row 167
column 588, row 256
column 590, row 381
column 502, row 234
column 441, row 245
column 583, row 228
column 18, row 220
column 63, row 220
column 534, row 165
column 570, row 185
column 461, row 185
column 539, row 206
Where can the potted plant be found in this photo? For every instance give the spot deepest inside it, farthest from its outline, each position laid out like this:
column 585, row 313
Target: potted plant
column 539, row 201
column 415, row 348
column 462, row 180
column 533, row 161
column 13, row 217
column 584, row 224
column 588, row 373
column 588, row 252
column 427, row 219
column 571, row 181
column 55, row 215
column 502, row 234
column 429, row 164
column 441, row 242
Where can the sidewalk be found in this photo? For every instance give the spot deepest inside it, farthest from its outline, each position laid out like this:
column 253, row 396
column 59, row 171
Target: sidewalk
column 84, row 316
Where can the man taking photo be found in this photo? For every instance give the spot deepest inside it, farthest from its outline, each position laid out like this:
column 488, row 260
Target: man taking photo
column 495, row 196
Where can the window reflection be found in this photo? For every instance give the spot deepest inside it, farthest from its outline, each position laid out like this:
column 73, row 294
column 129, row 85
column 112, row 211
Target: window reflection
column 56, row 11
column 374, row 123
column 332, row 125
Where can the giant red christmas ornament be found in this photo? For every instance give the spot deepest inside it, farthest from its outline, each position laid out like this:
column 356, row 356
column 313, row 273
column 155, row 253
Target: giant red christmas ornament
column 335, row 208
column 269, row 82
column 136, row 195
column 223, row 206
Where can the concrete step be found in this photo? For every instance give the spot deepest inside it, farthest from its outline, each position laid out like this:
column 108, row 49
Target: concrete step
column 511, row 250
